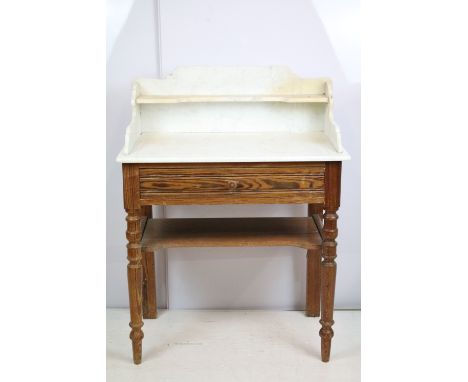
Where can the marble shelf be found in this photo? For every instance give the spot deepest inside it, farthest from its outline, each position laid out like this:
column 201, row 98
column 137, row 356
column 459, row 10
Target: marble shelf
column 232, row 114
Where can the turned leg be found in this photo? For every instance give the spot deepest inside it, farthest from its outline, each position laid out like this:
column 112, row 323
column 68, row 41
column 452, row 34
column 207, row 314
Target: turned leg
column 330, row 232
column 135, row 281
column 149, row 277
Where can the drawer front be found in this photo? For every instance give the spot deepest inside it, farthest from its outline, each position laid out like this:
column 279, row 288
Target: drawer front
column 248, row 183
column 232, row 184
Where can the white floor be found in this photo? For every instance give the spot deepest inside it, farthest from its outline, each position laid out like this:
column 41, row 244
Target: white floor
column 236, row 345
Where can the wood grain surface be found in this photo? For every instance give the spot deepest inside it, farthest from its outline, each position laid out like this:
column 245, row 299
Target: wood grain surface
column 249, row 183
column 230, row 232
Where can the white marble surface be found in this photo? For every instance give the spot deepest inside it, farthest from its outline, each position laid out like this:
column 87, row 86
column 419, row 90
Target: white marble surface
column 232, row 117
column 232, row 147
column 231, row 80
column 274, row 113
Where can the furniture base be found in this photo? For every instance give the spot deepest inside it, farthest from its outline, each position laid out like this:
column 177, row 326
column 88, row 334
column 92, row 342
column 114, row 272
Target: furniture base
column 314, row 183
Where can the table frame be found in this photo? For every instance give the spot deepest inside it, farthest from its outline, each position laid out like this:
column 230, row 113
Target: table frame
column 323, row 202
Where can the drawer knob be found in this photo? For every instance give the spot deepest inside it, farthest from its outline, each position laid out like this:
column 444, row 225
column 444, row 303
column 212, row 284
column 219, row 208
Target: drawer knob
column 232, row 184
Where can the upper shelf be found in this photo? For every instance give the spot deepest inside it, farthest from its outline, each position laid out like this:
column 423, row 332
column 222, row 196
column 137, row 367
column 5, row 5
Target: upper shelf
column 288, row 98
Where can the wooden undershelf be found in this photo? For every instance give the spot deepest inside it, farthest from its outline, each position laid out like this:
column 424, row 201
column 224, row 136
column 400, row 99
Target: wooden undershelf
column 289, row 98
column 231, row 232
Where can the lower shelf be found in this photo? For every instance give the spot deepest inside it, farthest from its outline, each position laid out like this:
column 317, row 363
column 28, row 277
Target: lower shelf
column 231, row 232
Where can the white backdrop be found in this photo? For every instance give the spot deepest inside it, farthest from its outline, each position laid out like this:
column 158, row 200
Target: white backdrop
column 314, row 38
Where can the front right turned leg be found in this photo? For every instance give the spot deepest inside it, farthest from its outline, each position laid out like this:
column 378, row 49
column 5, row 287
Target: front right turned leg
column 330, row 232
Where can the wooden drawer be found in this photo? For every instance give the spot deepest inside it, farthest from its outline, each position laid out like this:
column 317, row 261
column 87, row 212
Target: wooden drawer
column 248, row 183
column 232, row 183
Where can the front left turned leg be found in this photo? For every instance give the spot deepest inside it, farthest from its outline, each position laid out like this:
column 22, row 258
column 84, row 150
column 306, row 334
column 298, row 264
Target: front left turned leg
column 328, row 276
column 135, row 282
